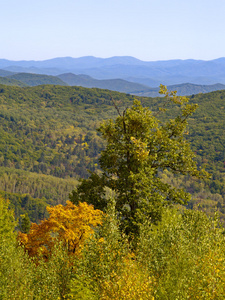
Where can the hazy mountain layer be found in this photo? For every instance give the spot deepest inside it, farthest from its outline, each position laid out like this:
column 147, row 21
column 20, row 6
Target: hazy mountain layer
column 184, row 89
column 119, row 85
column 128, row 68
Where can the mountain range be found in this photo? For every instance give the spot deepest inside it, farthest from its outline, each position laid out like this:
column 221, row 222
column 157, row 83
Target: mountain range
column 150, row 73
column 123, row 74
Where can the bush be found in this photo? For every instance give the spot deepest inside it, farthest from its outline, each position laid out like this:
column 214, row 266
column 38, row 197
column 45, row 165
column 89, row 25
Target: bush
column 185, row 252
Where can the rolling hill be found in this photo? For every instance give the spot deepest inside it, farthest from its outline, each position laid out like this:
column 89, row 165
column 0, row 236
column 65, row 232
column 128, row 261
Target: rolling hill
column 4, row 73
column 10, row 81
column 119, row 85
column 134, row 88
column 49, row 140
column 36, row 79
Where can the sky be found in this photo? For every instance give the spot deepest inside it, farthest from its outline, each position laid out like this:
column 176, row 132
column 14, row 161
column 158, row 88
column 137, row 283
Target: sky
column 149, row 30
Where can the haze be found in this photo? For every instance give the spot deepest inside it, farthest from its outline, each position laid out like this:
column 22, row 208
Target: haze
column 148, row 30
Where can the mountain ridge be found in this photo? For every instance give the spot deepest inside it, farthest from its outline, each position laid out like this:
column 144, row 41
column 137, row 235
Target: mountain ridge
column 125, row 67
column 30, row 79
column 120, row 85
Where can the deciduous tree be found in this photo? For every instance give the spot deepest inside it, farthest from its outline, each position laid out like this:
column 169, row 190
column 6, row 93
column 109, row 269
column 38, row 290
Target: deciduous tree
column 138, row 146
column 70, row 224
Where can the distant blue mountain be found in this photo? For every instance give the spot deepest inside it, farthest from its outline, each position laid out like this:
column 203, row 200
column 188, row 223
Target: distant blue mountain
column 150, row 73
column 184, row 89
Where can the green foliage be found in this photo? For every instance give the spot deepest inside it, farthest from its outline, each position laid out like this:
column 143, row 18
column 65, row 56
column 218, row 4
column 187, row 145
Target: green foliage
column 15, row 267
column 25, row 223
column 185, row 253
column 202, row 199
column 13, row 82
column 7, row 221
column 46, row 129
column 104, row 254
column 180, row 257
column 51, row 130
column 37, row 185
column 80, row 289
column 30, row 192
column 16, row 273
column 91, row 191
column 30, row 79
column 138, row 146
column 52, row 277
column 21, row 279
column 34, row 208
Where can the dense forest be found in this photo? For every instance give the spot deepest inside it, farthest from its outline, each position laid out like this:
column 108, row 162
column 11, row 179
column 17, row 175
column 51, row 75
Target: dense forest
column 134, row 226
column 49, row 140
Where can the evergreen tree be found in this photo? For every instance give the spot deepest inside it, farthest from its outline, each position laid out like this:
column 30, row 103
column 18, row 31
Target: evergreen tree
column 25, row 223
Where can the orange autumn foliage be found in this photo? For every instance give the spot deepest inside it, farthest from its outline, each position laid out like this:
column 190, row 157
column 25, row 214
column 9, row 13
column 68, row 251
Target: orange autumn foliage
column 70, row 224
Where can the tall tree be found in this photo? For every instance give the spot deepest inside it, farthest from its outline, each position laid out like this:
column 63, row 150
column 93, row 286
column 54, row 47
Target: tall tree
column 138, row 147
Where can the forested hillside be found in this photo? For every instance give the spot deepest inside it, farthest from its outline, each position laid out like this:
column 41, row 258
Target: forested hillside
column 30, row 79
column 11, row 81
column 119, row 85
column 125, row 233
column 51, row 131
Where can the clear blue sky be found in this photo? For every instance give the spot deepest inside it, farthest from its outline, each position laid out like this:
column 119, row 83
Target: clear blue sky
column 146, row 29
